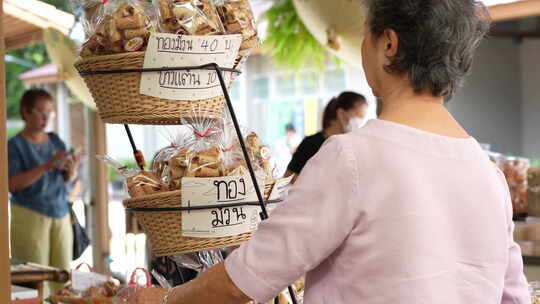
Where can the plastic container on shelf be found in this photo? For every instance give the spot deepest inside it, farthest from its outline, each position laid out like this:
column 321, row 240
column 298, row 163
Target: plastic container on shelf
column 515, row 170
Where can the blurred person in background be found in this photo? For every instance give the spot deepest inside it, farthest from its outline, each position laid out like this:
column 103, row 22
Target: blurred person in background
column 342, row 114
column 40, row 172
column 285, row 147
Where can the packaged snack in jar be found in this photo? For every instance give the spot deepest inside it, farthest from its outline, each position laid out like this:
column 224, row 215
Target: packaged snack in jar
column 533, row 191
column 139, row 183
column 121, row 26
column 515, row 171
column 188, row 17
column 237, row 18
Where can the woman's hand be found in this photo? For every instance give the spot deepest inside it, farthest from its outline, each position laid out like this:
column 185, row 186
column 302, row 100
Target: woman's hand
column 149, row 295
column 53, row 162
column 25, row 179
column 71, row 166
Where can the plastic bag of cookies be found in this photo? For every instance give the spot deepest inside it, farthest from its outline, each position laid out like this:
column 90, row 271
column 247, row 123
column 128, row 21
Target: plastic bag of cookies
column 138, row 182
column 194, row 152
column 121, row 26
column 188, row 17
column 237, row 18
column 92, row 12
column 233, row 156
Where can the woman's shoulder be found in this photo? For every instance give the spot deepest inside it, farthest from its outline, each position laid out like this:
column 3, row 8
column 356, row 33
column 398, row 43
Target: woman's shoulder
column 15, row 140
column 56, row 139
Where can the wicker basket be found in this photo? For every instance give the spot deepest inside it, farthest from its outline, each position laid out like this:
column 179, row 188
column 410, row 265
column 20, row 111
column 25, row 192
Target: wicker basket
column 164, row 228
column 118, row 99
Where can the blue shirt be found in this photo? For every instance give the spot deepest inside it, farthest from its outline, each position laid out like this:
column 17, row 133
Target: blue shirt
column 48, row 195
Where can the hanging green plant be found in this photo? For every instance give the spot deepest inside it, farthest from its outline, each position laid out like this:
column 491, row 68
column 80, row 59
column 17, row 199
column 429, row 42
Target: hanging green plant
column 289, row 42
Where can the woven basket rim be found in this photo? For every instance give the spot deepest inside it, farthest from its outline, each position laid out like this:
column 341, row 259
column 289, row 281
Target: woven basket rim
column 112, row 57
column 166, row 194
column 152, row 196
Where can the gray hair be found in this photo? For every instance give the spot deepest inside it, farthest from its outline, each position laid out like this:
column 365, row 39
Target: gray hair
column 437, row 39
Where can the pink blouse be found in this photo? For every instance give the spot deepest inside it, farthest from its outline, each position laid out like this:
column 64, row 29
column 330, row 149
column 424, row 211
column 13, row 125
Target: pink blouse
column 390, row 214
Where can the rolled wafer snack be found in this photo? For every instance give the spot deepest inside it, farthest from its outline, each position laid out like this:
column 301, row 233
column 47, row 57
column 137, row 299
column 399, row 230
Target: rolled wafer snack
column 139, row 183
column 125, row 26
column 189, row 17
column 137, row 33
column 134, row 22
column 237, row 18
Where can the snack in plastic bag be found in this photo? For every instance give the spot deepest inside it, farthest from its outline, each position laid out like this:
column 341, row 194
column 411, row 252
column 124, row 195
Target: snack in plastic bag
column 124, row 27
column 237, row 18
column 92, row 13
column 233, row 156
column 188, row 17
column 139, row 183
column 194, row 152
column 259, row 154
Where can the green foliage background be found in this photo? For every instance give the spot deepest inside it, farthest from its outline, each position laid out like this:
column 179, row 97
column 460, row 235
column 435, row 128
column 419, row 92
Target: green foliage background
column 290, row 44
column 35, row 54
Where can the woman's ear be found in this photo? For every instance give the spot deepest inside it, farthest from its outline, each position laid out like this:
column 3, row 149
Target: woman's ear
column 391, row 43
column 340, row 114
column 24, row 113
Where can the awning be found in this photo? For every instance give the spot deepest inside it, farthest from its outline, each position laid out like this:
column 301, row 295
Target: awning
column 25, row 20
column 43, row 75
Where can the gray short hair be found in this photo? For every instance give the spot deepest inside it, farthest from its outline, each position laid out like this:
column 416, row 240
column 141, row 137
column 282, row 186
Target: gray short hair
column 437, row 39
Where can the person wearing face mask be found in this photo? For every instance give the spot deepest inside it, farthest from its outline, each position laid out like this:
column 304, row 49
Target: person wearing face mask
column 40, row 171
column 343, row 114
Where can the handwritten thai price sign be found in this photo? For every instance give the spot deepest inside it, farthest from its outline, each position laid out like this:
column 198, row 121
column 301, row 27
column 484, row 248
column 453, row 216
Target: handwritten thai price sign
column 171, row 50
column 219, row 222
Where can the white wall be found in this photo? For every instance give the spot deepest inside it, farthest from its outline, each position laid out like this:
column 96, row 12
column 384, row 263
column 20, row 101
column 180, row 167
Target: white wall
column 489, row 105
column 530, row 86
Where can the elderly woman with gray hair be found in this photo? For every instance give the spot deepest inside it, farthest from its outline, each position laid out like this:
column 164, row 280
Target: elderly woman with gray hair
column 408, row 209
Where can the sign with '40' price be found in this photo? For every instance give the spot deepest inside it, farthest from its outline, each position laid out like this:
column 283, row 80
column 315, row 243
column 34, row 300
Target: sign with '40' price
column 172, row 50
column 224, row 221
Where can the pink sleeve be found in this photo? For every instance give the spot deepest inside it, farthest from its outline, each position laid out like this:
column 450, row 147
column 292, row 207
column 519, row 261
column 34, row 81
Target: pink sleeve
column 515, row 284
column 314, row 221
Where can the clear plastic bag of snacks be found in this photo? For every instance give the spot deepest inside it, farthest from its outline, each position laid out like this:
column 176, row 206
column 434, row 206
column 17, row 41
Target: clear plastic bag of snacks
column 118, row 26
column 234, row 161
column 92, row 12
column 139, row 183
column 188, row 17
column 194, row 152
column 237, row 18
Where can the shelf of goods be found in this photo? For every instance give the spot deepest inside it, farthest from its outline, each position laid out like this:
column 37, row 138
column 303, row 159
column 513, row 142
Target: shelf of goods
column 171, row 63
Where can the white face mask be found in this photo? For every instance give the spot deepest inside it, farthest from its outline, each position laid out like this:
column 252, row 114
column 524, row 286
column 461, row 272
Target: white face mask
column 354, row 123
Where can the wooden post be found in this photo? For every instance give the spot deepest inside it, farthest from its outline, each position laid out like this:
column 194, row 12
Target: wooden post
column 5, row 268
column 100, row 195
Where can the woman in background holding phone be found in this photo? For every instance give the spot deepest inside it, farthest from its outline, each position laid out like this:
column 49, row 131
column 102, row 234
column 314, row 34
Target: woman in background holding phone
column 40, row 171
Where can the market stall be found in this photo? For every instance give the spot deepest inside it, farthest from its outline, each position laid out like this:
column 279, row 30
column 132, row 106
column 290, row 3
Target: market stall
column 147, row 185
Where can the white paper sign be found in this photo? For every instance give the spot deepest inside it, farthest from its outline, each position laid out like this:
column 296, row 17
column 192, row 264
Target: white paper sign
column 278, row 191
column 81, row 281
column 219, row 222
column 171, row 50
